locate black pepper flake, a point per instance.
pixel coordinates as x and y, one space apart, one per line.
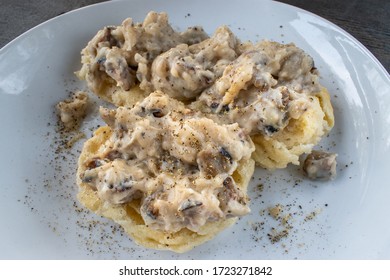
226 154
157 113
227 182
214 105
101 60
269 129
225 108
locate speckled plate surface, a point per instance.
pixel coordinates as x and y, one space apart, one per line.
343 219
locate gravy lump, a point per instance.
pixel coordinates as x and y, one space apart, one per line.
114 54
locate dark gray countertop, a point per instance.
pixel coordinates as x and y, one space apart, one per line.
367 20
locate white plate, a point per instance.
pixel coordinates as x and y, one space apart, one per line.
40 218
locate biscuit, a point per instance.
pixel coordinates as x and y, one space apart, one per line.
298 137
129 214
118 57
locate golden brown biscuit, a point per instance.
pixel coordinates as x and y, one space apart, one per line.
129 214
298 137
116 58
273 92
129 217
